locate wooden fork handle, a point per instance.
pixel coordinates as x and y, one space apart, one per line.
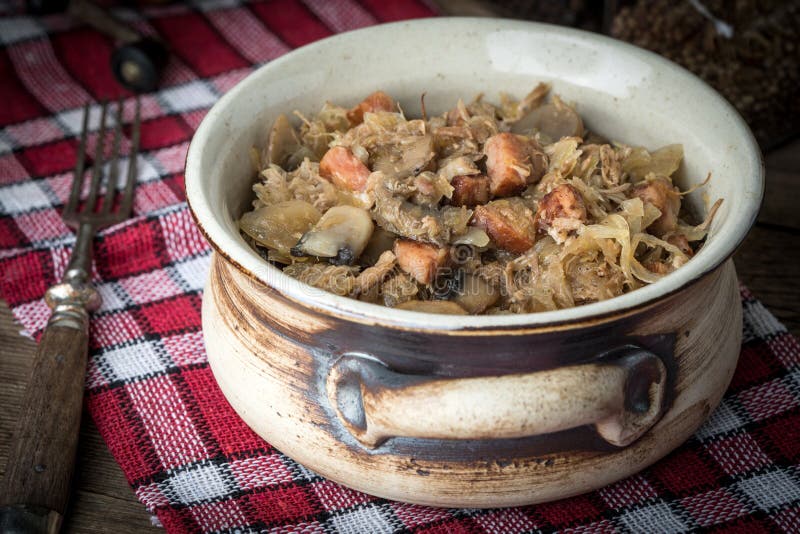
35 490
42 452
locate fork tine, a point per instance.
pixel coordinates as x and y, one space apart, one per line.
127 196
77 179
113 173
97 167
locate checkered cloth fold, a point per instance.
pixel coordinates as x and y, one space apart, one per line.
189 458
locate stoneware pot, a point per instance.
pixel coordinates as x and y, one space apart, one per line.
468 410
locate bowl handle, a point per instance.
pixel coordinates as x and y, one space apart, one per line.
621 394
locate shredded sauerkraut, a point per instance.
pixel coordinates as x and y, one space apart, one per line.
513 208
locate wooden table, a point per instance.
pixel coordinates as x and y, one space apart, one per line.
103 502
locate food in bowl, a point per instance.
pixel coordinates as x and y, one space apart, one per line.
484 209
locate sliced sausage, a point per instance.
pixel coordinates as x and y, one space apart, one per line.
561 212
507 164
470 190
344 169
508 222
377 101
563 202
421 260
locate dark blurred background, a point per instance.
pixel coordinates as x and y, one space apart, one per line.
748 50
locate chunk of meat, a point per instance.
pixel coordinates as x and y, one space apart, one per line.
470 190
344 169
680 241
507 164
377 101
421 260
508 222
561 211
663 195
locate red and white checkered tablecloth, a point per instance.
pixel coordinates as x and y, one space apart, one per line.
191 461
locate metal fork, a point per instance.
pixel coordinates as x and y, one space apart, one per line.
35 489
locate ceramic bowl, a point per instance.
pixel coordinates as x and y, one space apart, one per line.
475 411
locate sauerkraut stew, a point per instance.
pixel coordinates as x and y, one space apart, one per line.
485 209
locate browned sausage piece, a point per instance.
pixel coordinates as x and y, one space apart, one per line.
344 169
508 222
470 190
377 101
421 260
507 164
563 202
663 195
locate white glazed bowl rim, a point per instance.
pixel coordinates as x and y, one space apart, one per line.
715 251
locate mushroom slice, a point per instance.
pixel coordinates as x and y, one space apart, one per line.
476 294
555 120
282 143
380 241
340 236
432 306
279 226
